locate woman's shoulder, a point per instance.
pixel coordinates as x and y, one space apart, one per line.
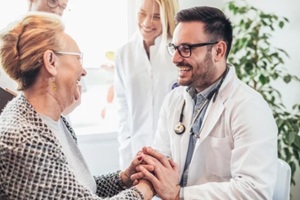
134 43
19 121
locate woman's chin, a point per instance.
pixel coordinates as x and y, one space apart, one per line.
77 95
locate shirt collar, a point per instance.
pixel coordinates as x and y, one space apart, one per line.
192 91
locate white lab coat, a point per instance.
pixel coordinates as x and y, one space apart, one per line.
236 155
140 86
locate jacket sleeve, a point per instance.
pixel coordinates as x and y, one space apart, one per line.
35 168
109 186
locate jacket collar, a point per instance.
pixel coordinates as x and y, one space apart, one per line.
216 108
25 111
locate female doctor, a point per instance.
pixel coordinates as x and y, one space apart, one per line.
144 75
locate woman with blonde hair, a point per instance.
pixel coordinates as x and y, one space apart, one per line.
144 74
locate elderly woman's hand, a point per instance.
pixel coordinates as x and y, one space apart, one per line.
163 175
131 171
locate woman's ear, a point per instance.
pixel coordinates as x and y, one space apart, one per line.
50 62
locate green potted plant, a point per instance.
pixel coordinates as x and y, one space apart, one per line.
259 64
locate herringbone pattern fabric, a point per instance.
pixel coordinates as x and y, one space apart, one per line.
33 165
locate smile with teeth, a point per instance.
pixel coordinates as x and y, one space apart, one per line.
147 30
184 69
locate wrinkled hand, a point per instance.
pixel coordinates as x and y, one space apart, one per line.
163 175
143 185
132 171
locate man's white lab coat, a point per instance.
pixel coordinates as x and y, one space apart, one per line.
236 155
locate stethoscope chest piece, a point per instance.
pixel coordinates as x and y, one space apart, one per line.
179 128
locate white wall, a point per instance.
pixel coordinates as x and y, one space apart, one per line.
100 152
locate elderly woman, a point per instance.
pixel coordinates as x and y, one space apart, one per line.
38 150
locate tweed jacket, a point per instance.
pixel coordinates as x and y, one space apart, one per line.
33 165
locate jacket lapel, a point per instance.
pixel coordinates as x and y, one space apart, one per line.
211 117
215 109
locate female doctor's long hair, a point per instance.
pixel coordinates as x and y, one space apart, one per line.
168 9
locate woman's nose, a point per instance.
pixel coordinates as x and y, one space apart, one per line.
147 20
84 73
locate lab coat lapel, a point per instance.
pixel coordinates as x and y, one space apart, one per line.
212 115
215 109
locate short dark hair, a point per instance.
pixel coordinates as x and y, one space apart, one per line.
217 25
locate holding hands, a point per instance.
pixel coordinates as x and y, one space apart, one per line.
156 169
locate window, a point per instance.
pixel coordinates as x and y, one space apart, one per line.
97 27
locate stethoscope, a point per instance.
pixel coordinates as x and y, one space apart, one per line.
180 127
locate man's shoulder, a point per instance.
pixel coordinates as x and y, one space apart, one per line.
177 91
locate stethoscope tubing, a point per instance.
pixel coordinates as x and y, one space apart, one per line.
180 127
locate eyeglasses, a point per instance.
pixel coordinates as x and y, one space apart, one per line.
80 54
55 3
185 50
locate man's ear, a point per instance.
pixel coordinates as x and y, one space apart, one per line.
50 62
220 50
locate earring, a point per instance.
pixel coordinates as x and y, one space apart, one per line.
53 84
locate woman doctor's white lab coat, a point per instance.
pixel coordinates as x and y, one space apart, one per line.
236 154
141 84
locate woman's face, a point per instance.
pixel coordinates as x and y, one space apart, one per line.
149 21
70 72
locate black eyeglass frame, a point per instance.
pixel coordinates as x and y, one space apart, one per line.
172 46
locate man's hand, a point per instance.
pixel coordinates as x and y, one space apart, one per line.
163 175
131 171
